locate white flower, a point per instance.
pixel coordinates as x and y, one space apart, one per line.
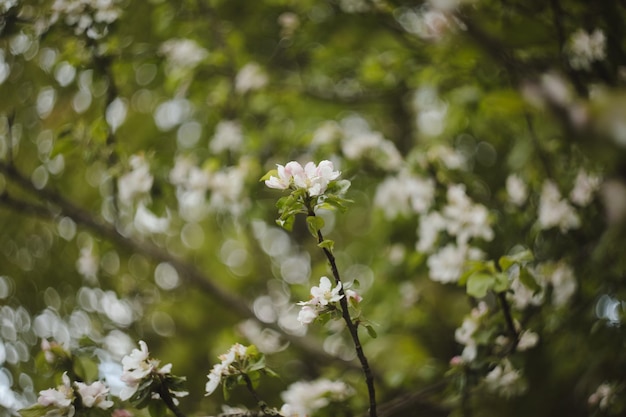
304 398
325 294
564 284
603 396
465 334
236 353
447 265
183 53
307 314
62 397
505 380
429 228
585 48
136 367
94 395
465 219
147 222
228 136
404 194
516 189
88 263
313 178
251 77
556 211
527 340
584 187
136 182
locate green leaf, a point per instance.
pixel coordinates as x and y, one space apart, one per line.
270 173
371 331
86 368
36 410
286 223
326 244
315 224
528 280
505 262
501 282
479 283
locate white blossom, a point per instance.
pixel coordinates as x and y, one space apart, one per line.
136 367
584 48
314 178
563 283
94 395
464 219
183 53
603 396
447 264
584 188
516 189
429 227
404 194
228 137
250 78
303 398
465 334
505 380
90 17
236 353
555 211
147 222
88 263
135 182
526 340
61 397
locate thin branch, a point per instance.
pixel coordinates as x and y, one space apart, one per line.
506 309
265 410
352 328
410 401
164 392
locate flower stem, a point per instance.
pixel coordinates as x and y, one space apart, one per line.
262 405
352 328
167 398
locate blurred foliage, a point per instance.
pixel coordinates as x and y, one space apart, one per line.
488 82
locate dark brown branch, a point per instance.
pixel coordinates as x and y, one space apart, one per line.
352 328
506 310
164 392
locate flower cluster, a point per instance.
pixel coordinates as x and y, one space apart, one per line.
138 368
62 398
584 48
239 360
304 398
505 380
87 16
313 178
462 219
322 298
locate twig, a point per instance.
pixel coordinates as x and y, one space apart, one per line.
352 328
506 309
164 392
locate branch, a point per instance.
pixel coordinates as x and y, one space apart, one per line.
506 309
352 328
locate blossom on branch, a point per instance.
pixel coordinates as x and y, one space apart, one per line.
313 178
322 299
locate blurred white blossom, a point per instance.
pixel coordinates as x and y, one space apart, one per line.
584 188
404 194
465 334
603 396
250 78
94 395
135 182
237 353
447 264
90 17
505 380
228 137
303 398
516 189
584 48
556 211
182 53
